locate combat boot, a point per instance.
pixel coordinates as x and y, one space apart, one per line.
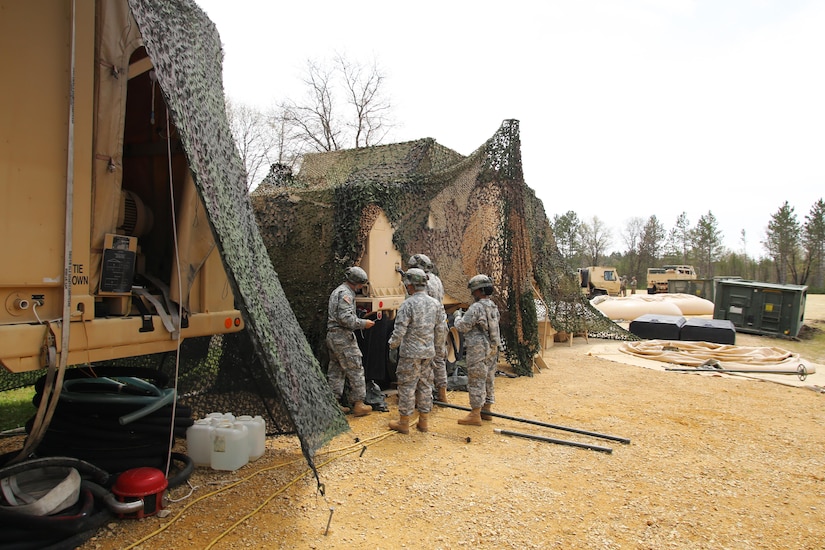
359 409
473 418
402 425
442 394
486 409
422 425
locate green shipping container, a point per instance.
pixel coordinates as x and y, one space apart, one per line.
761 308
703 288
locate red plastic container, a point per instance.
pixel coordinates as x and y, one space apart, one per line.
144 483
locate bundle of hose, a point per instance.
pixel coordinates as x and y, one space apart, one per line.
117 422
81 518
160 379
94 425
40 491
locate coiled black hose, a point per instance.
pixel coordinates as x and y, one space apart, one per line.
112 417
79 522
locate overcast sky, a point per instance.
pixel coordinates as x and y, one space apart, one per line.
627 108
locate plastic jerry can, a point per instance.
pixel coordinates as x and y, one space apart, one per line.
257 435
230 449
199 442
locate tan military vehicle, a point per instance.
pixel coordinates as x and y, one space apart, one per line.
599 281
657 277
105 244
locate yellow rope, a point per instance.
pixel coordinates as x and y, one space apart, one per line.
342 452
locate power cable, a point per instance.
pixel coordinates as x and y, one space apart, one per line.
358 446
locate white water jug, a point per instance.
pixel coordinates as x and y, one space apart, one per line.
257 435
230 449
199 442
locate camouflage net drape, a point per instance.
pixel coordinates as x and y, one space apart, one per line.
269 367
470 215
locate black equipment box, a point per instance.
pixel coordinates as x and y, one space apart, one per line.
717 331
657 327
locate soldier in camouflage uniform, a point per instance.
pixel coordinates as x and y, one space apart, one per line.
481 342
420 326
435 288
344 353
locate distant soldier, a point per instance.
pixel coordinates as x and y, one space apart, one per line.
482 339
435 288
623 286
344 353
420 328
633 285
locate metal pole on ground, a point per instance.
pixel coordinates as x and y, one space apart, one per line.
801 371
607 450
622 440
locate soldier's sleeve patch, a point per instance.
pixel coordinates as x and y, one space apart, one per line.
348 299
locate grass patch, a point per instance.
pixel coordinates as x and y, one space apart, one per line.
16 407
810 345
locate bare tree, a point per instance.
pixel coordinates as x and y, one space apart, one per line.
363 86
322 122
253 138
315 119
287 144
632 236
595 239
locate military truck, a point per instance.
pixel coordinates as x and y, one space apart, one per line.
599 281
657 277
105 244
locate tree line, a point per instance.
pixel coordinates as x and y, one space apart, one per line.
794 248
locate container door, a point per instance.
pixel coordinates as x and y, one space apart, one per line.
772 306
738 306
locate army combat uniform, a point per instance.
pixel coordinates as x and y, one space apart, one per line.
420 328
344 353
435 288
480 326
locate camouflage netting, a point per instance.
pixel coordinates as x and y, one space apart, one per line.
271 362
470 215
269 368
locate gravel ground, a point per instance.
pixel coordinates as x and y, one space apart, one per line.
714 462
